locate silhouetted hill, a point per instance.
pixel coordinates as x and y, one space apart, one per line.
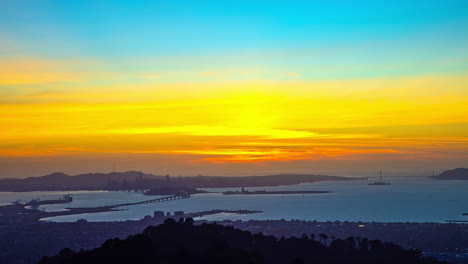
58 181
53 176
131 180
455 174
182 242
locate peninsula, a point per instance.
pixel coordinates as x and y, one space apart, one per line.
243 192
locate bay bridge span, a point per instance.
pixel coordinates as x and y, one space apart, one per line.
107 208
157 200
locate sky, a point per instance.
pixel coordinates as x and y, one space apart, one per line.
233 87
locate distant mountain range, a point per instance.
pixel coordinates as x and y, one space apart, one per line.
58 181
455 174
134 180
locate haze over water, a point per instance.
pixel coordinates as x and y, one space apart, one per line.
406 200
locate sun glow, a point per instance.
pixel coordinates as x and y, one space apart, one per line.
256 122
284 89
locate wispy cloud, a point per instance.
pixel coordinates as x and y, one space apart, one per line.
293 74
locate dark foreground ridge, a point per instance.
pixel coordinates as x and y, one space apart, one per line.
183 242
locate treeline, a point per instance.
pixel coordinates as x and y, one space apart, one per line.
182 242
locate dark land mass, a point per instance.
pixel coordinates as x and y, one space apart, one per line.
173 191
184 242
60 181
455 174
273 192
38 202
30 241
134 180
18 214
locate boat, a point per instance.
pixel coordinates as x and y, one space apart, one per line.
381 182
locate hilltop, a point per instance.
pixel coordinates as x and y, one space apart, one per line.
455 174
134 180
183 242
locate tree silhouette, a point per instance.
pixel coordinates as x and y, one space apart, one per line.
181 241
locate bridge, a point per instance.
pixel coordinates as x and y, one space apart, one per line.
107 208
157 200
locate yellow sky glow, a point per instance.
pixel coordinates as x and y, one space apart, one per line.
254 121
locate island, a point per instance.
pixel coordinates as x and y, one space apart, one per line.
455 174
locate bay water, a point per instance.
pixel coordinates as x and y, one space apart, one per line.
405 200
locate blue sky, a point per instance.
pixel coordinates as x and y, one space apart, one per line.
161 28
